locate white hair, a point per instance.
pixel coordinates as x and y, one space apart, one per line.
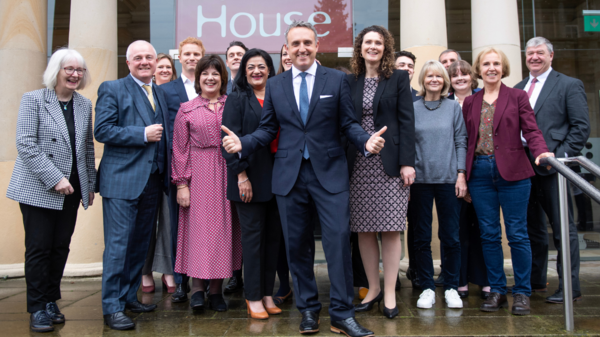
56 63
128 52
538 41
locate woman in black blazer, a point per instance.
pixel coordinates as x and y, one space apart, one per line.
379 184
249 185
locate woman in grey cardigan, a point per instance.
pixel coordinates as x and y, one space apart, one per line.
441 146
54 172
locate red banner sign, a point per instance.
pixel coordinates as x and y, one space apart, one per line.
262 23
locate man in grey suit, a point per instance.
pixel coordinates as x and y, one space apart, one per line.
561 111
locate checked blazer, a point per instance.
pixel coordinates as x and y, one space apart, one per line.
44 150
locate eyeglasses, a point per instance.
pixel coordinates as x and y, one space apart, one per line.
69 71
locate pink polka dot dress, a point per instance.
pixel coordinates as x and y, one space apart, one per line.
209 240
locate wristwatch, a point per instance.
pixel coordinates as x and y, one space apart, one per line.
462 171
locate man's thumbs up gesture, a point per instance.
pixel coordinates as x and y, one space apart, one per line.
375 143
231 142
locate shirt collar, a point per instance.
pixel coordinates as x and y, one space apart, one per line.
140 83
542 77
312 70
185 79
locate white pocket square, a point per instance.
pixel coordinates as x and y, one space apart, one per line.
325 96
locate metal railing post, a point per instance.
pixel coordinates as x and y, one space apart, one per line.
566 253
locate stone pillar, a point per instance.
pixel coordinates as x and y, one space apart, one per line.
423 31
503 34
93 33
23 36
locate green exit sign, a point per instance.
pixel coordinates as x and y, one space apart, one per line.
591 21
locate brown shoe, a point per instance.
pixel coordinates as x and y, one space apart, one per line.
520 305
494 302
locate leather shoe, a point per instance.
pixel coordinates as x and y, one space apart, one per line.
54 313
235 284
494 302
439 282
412 275
558 297
180 294
484 295
119 321
310 322
367 306
463 293
40 321
216 302
390 313
351 328
137 307
197 301
520 305
254 314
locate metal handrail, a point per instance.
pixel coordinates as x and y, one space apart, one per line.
559 164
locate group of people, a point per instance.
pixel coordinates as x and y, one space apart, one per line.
200 172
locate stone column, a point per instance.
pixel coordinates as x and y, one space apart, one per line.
423 31
496 24
23 36
93 33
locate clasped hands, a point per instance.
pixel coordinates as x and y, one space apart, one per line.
232 144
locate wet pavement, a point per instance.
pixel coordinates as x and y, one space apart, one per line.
81 305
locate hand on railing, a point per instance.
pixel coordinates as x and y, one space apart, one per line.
544 155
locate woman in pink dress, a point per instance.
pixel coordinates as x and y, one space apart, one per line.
209 242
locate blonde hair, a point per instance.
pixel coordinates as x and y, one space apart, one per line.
56 63
503 59
433 65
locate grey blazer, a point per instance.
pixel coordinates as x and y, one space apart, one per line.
44 150
561 112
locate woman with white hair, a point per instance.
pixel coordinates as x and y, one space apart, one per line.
54 172
441 140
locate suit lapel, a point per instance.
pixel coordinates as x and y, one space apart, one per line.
162 102
138 100
255 105
378 92
53 108
358 97
288 88
521 85
474 115
501 103
180 88
318 86
551 81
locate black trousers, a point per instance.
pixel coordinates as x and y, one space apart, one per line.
261 232
411 216
472 264
47 238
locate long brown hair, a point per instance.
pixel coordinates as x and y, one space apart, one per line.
387 64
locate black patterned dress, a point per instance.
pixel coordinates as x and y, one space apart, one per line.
378 202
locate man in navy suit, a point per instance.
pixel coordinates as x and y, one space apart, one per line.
191 50
130 114
312 106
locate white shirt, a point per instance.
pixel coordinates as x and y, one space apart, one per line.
189 87
536 92
142 84
310 81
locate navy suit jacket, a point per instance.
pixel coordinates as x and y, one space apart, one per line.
330 114
122 114
175 94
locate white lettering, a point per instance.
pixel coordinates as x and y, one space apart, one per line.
288 17
222 20
252 24
327 21
262 25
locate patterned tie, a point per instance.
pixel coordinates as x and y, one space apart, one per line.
148 89
530 91
304 107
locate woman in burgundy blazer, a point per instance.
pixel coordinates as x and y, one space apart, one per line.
498 173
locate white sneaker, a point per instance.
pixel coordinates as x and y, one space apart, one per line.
426 299
453 299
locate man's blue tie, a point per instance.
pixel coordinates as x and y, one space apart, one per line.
304 107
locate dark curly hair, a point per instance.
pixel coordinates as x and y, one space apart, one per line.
387 65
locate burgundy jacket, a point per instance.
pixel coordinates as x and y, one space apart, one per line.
513 114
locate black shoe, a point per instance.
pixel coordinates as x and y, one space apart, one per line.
310 322
398 284
390 313
367 306
197 301
558 297
180 294
216 302
119 321
484 295
463 294
412 275
235 284
350 328
439 282
138 307
55 315
40 321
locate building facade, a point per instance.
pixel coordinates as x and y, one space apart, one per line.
30 30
